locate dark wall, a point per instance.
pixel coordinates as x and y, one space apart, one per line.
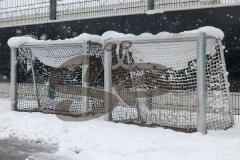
227 19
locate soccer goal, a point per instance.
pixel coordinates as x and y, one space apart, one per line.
174 80
170 80
63 77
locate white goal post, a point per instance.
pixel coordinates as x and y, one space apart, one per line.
210 96
200 38
170 80
56 55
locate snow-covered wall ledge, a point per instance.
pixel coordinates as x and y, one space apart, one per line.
16 42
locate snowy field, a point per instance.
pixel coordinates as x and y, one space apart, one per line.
97 139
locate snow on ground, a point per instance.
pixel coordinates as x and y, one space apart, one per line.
96 139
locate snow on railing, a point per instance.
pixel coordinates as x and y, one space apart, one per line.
24 12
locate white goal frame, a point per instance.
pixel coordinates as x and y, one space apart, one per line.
13 88
199 37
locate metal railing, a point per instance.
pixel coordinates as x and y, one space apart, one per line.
14 12
98 8
22 12
173 5
26 12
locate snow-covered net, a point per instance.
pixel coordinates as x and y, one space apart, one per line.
157 84
60 78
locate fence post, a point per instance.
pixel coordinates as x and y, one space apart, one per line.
108 85
201 85
53 10
13 87
151 4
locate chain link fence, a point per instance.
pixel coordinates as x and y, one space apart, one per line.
26 12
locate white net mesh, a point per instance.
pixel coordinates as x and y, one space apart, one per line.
56 56
58 74
158 85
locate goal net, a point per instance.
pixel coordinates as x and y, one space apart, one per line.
156 81
153 79
62 77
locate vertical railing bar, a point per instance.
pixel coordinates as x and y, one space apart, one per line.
53 10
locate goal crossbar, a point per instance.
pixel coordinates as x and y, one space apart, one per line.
161 38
